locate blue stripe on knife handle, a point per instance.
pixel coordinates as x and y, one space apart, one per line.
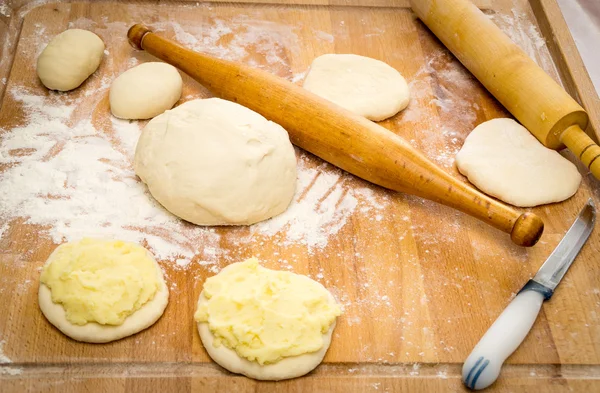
471 371
476 377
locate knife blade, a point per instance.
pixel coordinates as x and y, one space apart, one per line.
483 365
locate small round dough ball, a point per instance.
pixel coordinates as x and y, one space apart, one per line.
365 86
145 91
69 59
504 160
215 162
93 332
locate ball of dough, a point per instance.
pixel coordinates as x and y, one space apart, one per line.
69 59
504 160
145 91
215 162
365 86
93 332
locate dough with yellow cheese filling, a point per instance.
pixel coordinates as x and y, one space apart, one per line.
265 324
102 290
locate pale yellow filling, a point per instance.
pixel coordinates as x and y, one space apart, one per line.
266 315
100 280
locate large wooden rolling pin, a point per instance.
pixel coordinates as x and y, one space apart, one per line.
530 94
338 136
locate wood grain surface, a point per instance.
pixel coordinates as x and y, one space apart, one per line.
420 283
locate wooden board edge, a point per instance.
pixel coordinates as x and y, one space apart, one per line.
483 4
338 377
568 61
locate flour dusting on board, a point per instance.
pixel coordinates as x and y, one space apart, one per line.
4 229
242 39
77 180
5 361
439 85
3 357
318 190
526 35
5 10
76 177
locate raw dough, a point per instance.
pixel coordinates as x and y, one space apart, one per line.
504 160
93 332
365 86
69 59
145 91
266 324
215 162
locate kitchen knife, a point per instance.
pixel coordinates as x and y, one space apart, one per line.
482 367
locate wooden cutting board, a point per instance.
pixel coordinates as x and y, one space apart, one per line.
420 282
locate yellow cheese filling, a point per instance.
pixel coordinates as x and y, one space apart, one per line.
266 315
101 281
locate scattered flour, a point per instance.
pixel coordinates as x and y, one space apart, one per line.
3 229
258 43
320 208
324 36
75 179
5 367
5 10
527 36
3 357
440 85
299 76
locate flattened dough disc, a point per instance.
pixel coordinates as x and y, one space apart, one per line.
504 160
365 86
290 367
93 332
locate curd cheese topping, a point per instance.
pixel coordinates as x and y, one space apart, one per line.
101 281
266 315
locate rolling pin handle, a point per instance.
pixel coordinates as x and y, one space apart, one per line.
527 230
136 34
583 147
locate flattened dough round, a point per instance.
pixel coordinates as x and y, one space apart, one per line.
504 160
93 332
365 86
215 162
145 91
286 368
69 59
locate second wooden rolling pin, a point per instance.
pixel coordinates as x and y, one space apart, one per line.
531 95
338 136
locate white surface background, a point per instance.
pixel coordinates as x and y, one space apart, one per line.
583 18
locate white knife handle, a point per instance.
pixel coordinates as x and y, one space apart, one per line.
482 367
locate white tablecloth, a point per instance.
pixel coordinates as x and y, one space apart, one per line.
583 18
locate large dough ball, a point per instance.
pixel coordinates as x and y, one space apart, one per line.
365 86
145 91
215 162
504 160
69 59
